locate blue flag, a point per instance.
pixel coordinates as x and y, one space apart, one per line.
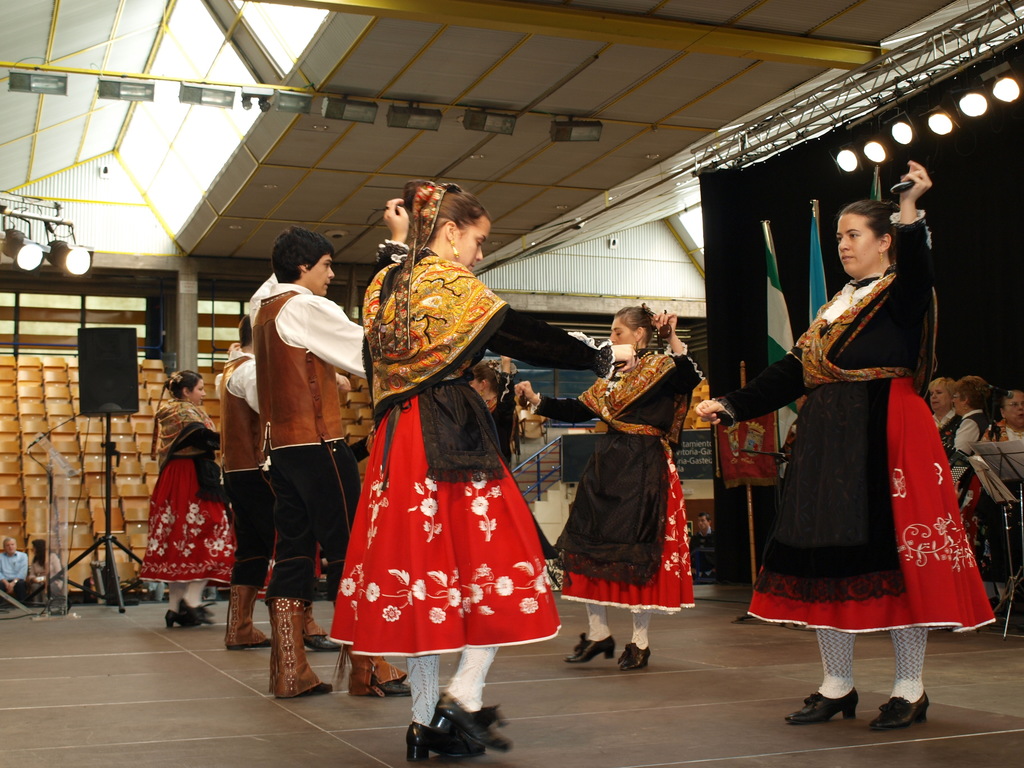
817 266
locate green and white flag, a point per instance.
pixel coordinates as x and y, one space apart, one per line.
780 333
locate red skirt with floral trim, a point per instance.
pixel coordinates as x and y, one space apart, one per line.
942 585
433 566
669 591
189 538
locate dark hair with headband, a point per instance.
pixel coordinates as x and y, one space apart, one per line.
180 381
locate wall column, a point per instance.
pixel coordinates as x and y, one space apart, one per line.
187 316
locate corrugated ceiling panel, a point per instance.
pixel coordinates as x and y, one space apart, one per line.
875 20
24 37
371 66
85 182
103 127
703 11
792 16
141 15
648 262
83 24
14 163
342 30
57 148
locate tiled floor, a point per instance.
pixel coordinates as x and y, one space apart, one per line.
120 689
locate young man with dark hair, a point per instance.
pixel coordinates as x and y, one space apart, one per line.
299 338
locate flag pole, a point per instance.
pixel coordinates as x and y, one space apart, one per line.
750 494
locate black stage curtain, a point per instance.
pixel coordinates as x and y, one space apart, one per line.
973 211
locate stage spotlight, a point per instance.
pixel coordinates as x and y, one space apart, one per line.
73 259
1006 86
847 160
940 122
1006 89
875 151
973 104
902 130
27 254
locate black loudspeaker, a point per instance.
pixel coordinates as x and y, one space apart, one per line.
108 370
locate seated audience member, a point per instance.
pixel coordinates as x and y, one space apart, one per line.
1011 426
969 401
13 569
702 546
940 398
43 568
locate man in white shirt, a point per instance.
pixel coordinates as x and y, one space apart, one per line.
13 570
299 338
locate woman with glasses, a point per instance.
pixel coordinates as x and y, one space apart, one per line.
868 536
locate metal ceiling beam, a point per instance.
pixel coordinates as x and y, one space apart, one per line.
607 27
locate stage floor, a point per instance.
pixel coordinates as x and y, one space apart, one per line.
109 688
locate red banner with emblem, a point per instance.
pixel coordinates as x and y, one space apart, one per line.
737 461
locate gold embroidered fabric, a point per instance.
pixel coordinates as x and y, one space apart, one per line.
448 309
172 418
819 339
610 399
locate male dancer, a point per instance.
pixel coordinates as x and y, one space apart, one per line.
299 337
252 502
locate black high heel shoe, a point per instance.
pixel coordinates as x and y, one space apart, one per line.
897 712
633 658
588 649
819 708
476 726
421 740
195 615
181 616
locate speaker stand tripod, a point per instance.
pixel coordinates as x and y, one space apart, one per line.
108 541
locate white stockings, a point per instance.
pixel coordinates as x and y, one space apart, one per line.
424 682
597 623
641 621
909 646
837 658
467 687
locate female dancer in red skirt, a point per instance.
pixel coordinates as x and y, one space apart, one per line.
869 534
444 555
190 539
624 543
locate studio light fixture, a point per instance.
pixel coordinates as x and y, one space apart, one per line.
126 90
874 151
262 96
48 83
27 254
72 258
1005 85
206 96
488 122
576 130
295 103
414 117
901 129
972 103
847 159
352 110
939 121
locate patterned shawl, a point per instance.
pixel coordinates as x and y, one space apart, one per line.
824 340
610 399
174 419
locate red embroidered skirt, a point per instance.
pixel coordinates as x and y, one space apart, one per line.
669 591
942 585
189 538
433 566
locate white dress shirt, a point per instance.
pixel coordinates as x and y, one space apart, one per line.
968 432
243 382
315 323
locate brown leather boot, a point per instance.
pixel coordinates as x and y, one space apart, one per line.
290 673
314 636
241 633
373 676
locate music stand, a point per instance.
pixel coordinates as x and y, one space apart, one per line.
994 463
